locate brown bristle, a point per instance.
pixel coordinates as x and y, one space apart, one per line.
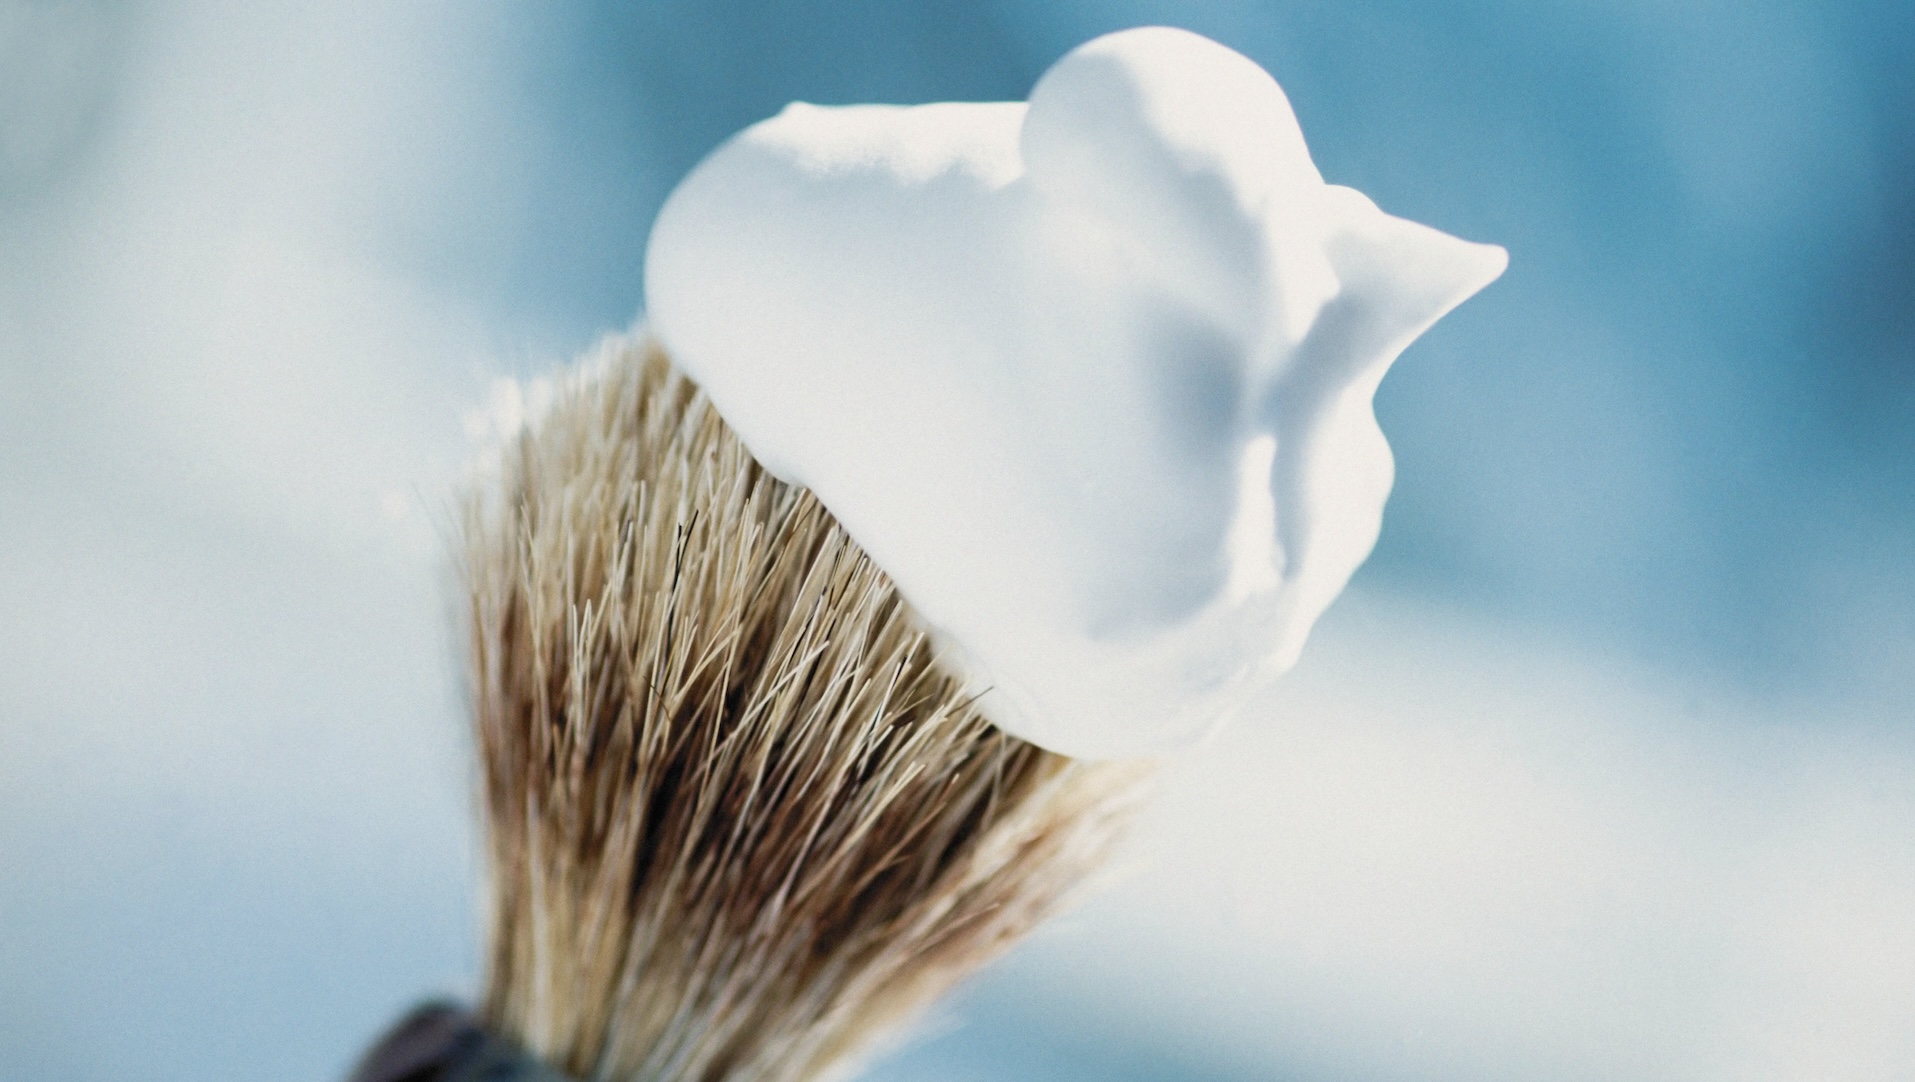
740 822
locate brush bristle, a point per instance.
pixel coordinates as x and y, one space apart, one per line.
741 825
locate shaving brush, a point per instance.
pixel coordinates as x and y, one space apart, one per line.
1092 371
740 823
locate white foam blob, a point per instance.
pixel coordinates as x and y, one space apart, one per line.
1091 377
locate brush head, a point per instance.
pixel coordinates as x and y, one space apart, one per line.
741 823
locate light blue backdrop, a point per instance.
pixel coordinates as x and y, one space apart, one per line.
244 245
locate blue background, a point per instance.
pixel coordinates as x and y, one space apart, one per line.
259 258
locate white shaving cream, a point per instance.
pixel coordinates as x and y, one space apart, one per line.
1090 377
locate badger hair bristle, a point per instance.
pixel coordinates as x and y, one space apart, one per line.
741 825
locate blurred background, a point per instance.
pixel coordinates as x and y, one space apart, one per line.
1604 768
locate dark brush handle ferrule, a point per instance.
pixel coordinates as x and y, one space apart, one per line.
441 1042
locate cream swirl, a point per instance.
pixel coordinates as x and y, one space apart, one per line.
1091 377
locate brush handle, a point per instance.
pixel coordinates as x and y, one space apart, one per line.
442 1042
